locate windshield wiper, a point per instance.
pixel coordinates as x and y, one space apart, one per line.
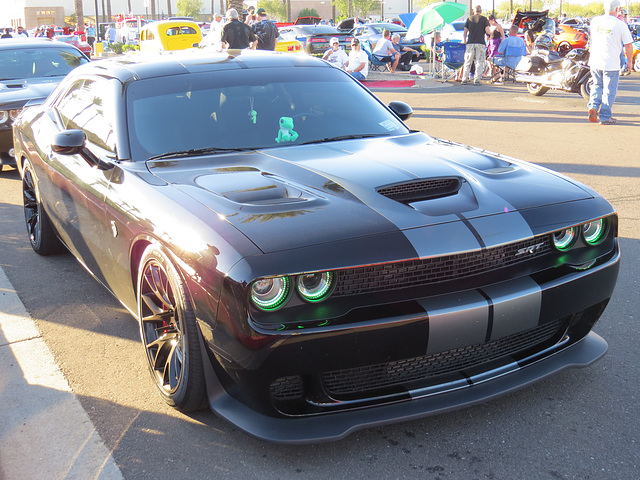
345 137
194 152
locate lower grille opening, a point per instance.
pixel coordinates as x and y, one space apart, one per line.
358 382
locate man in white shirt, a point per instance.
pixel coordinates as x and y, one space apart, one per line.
386 52
608 34
214 37
335 55
358 64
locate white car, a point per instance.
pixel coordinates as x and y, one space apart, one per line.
129 31
453 32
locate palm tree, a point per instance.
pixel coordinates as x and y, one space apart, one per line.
169 8
237 4
79 15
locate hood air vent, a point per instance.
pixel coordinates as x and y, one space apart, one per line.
419 190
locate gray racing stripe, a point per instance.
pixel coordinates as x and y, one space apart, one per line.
516 306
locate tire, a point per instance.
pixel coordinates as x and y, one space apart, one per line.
42 235
585 89
563 48
169 332
636 62
537 89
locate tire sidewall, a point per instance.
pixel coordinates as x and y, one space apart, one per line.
180 398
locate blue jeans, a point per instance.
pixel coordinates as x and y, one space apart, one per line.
603 92
357 75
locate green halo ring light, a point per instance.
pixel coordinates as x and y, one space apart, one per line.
594 232
315 287
564 239
270 293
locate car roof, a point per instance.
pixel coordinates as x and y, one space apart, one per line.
14 43
170 23
127 68
315 28
388 26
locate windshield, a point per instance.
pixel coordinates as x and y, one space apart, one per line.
251 109
392 27
27 63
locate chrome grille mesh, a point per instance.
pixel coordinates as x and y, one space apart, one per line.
411 273
355 381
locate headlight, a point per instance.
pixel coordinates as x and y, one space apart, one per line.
270 293
4 116
564 239
13 114
594 232
315 287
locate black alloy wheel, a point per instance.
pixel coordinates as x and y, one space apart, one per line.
42 235
169 332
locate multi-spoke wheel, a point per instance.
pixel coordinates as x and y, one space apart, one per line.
564 48
636 62
42 235
169 332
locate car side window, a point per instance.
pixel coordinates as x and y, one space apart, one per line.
84 107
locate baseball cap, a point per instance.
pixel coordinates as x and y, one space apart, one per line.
334 40
262 11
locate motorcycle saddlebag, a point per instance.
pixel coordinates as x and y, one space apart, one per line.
531 64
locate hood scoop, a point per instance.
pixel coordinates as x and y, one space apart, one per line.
421 189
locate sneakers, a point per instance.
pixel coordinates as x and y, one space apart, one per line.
464 82
477 82
611 121
593 115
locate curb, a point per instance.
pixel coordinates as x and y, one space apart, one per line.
45 431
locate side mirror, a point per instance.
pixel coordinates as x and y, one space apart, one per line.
401 109
72 142
69 142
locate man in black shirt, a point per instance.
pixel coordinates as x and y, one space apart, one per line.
236 34
475 29
266 31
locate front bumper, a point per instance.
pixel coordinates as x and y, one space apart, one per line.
545 324
338 425
6 146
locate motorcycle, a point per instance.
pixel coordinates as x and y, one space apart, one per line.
636 56
545 70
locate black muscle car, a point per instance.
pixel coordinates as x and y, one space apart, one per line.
29 69
304 263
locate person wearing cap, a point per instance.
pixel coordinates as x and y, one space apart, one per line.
236 34
335 55
265 31
358 64
214 37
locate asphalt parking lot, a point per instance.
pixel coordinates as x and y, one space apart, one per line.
580 424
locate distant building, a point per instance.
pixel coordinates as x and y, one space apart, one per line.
33 13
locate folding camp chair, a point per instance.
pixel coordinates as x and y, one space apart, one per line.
509 61
375 64
451 57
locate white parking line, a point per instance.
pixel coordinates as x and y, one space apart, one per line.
44 431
